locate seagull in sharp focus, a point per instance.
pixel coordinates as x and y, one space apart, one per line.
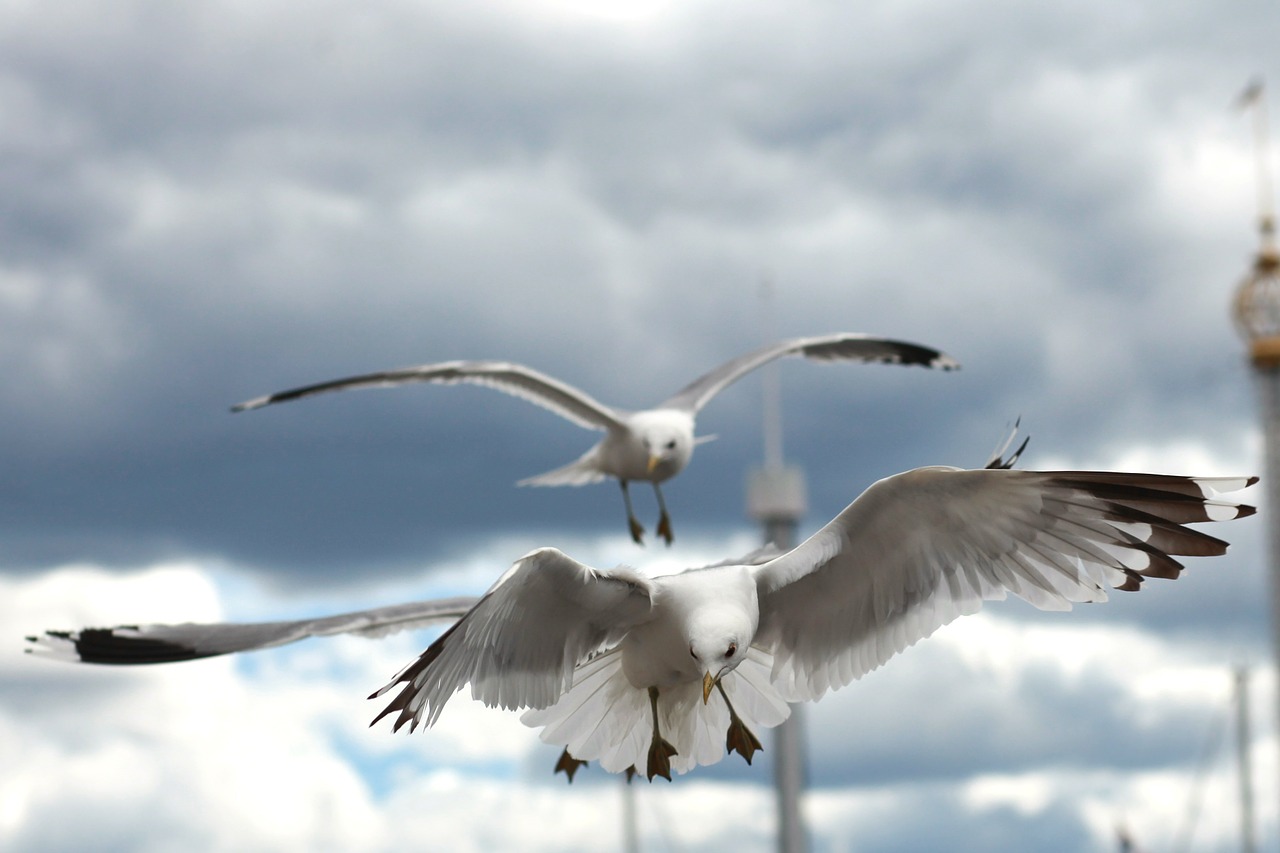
671 672
652 445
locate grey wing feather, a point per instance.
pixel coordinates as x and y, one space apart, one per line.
918 549
837 347
139 644
755 557
519 645
508 377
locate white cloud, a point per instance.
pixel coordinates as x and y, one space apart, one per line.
273 750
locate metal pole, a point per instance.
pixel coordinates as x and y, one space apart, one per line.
1268 384
1262 155
1248 841
773 420
630 834
788 739
1257 314
776 498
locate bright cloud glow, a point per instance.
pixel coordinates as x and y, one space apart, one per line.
275 751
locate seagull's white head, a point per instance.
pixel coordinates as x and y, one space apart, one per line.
667 438
718 641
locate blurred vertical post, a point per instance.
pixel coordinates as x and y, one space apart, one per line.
1257 316
1244 765
630 829
776 499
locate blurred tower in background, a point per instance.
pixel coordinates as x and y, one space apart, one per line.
1257 316
776 499
1244 761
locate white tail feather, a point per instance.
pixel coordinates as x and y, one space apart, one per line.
580 472
603 718
600 718
752 693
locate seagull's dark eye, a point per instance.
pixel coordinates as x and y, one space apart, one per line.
733 647
691 654
671 445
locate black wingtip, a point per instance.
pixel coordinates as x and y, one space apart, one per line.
105 646
1003 463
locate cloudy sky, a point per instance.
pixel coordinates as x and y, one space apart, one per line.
202 203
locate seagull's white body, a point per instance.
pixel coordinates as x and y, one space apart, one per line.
719 602
650 445
696 616
664 673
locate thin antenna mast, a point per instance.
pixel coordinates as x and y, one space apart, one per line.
776 499
1254 99
772 386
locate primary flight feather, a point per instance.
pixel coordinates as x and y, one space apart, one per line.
651 445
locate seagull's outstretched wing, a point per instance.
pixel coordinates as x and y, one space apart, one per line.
918 549
840 347
519 645
515 379
755 557
134 644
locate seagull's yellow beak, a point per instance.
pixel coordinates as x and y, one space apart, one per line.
653 462
707 683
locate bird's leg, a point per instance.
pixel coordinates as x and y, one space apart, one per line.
664 520
660 751
740 738
637 529
567 765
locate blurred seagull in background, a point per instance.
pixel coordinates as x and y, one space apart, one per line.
652 445
620 668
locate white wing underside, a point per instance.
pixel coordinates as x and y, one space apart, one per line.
580 472
538 388
603 718
919 549
519 646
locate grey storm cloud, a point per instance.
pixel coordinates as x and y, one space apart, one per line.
202 208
